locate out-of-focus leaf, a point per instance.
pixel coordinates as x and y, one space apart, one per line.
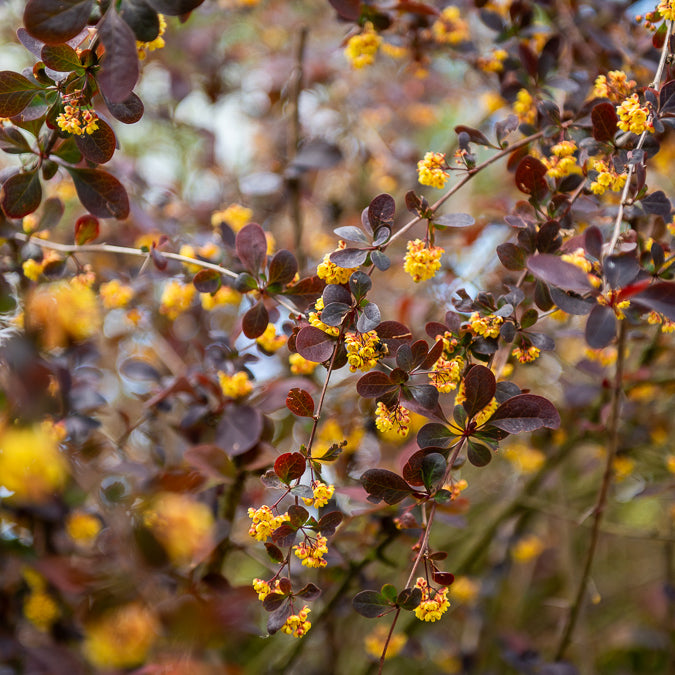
86 229
240 428
128 111
100 193
55 22
21 194
251 246
553 270
119 68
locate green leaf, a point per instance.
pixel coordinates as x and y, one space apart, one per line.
100 193
21 194
16 93
55 22
62 58
389 591
478 454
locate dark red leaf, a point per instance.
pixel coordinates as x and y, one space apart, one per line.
284 535
101 193
128 111
659 297
657 203
309 592
475 135
290 466
255 320
16 93
432 356
375 384
525 412
349 257
61 58
513 257
274 552
478 454
86 229
600 327
329 522
119 67
55 22
300 402
385 485
99 146
314 345
372 604
21 194
435 435
298 514
240 428
283 268
207 281
553 270
620 270
412 470
443 578
604 119
251 246
142 19
667 97
479 387
381 211
530 176
393 334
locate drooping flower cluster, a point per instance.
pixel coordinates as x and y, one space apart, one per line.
158 43
263 588
633 117
364 350
314 319
446 373
297 624
525 107
615 86
176 298
300 365
77 120
361 49
422 262
607 178
270 341
487 326
562 161
434 603
433 170
525 354
115 294
235 386
666 8
264 522
331 273
450 28
392 419
311 551
322 494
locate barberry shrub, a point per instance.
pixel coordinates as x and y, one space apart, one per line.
361 342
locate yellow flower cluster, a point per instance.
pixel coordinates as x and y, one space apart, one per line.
562 162
235 215
493 63
666 9
487 326
322 494
176 298
524 107
115 294
422 262
39 607
605 357
607 178
450 28
433 170
31 464
32 269
314 319
434 603
263 588
375 640
611 299
63 312
83 527
223 296
615 86
264 522
184 526
361 49
300 365
526 355
364 350
78 121
311 552
464 590
446 373
122 637
486 413
297 624
633 117
655 318
235 386
158 43
527 549
455 488
396 419
270 341
331 273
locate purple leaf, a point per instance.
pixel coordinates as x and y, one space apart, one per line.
119 68
525 412
555 271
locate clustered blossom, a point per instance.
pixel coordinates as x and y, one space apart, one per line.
611 299
176 298
332 273
235 216
493 63
666 9
263 588
297 624
524 107
77 120
235 386
667 326
115 294
322 494
364 350
314 319
39 607
422 262
633 117
300 365
526 354
270 341
487 326
392 419
311 552
446 373
615 86
361 49
433 170
450 28
264 522
607 177
158 43
434 603
562 162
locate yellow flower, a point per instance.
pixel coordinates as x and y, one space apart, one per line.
493 63
31 465
32 269
615 86
41 609
189 252
434 604
297 624
63 312
322 494
115 294
235 386
223 296
158 43
176 298
422 262
666 9
270 341
314 319
263 588
527 549
121 638
433 170
446 373
76 120
524 107
396 419
331 273
300 365
611 299
264 522
361 49
486 413
633 117
184 526
375 640
464 590
311 551
450 28
487 326
562 162
235 215
364 350
82 527
526 355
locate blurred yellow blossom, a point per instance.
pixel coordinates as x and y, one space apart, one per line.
524 107
115 294
362 48
623 467
375 640
450 28
223 296
235 215
40 609
270 341
524 458
464 590
527 549
615 86
235 386
300 365
176 298
82 527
